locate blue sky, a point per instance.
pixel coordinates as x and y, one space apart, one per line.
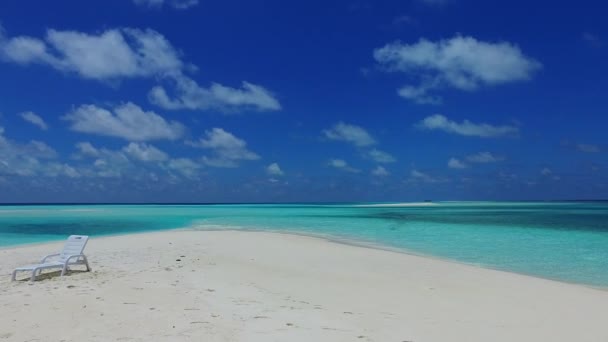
266 101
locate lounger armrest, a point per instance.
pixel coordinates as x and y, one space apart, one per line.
49 256
67 260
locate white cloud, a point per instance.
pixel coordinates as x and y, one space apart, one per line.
121 53
185 166
466 128
418 176
484 157
380 171
87 149
58 169
20 166
100 163
342 165
419 94
403 20
24 159
184 4
588 148
177 4
189 95
38 149
106 163
463 63
455 163
274 169
547 172
127 121
433 2
349 133
145 152
381 156
508 177
34 148
34 119
109 55
228 150
36 159
593 40
149 3
338 163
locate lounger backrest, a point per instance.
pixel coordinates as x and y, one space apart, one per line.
74 246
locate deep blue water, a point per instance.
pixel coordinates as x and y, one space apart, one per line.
565 241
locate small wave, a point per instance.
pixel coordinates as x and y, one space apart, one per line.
82 210
405 204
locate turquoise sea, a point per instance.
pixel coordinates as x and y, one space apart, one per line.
566 241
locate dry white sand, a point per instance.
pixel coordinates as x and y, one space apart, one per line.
247 286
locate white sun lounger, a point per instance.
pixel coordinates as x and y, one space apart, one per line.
70 255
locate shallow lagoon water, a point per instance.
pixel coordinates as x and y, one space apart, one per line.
566 241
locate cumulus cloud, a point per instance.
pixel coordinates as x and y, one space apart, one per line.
274 170
227 149
466 127
187 167
484 157
127 121
353 134
135 161
85 148
380 171
403 20
34 119
59 169
463 63
190 95
380 156
121 53
145 152
420 94
419 176
25 159
588 148
455 163
35 149
109 55
105 163
433 2
108 163
342 165
548 173
149 3
177 4
38 149
593 39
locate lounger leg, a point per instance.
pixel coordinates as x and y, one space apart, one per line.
13 278
33 277
86 263
65 268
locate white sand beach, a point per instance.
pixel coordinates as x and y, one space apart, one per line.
252 286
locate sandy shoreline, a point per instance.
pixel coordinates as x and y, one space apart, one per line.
256 286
